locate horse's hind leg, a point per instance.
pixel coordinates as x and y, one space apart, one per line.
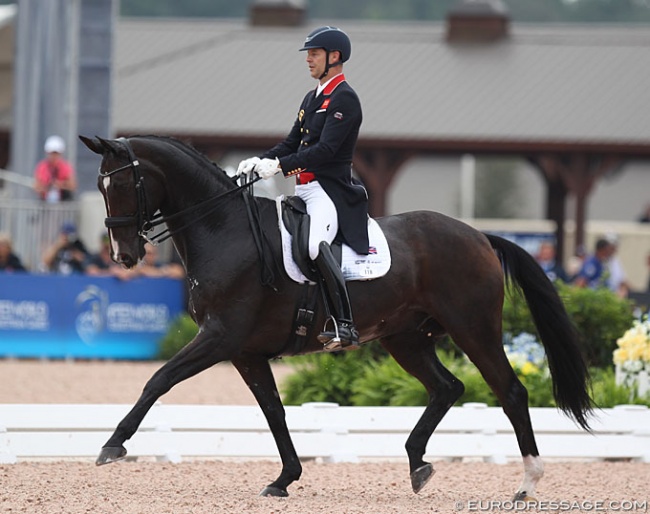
198 355
256 372
488 356
415 352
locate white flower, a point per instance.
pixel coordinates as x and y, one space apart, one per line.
523 349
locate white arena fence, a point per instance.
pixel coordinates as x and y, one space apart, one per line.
319 430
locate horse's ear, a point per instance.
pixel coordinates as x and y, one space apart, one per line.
107 144
93 145
98 145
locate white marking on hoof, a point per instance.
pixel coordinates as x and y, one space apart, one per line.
533 471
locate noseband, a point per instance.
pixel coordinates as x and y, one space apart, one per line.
141 218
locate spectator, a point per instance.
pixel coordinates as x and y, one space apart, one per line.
54 177
594 272
546 259
150 266
67 254
100 264
617 280
9 261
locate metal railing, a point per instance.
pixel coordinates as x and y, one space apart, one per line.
34 225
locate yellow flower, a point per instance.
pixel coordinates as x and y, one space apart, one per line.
529 369
646 353
634 347
620 355
636 352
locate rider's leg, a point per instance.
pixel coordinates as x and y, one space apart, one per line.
344 333
323 220
323 226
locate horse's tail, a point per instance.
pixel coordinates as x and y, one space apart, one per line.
556 330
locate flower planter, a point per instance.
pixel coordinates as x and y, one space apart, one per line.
634 380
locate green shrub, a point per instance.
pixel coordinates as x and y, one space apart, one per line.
182 331
600 316
386 383
606 393
352 380
325 377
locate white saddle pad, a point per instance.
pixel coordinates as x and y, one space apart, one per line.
354 266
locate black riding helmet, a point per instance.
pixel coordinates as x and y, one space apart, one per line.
329 39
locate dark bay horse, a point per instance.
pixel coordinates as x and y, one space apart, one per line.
445 278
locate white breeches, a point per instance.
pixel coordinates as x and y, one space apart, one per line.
323 220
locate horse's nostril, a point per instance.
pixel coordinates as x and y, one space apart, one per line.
125 260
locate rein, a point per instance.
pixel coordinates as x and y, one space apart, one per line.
143 220
159 219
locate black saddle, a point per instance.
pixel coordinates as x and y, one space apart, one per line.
296 221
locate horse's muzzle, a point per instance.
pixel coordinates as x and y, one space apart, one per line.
126 260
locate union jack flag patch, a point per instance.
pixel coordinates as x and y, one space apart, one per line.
338 115
372 250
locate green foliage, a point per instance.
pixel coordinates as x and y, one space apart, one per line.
384 382
606 393
516 315
325 377
182 331
600 316
353 379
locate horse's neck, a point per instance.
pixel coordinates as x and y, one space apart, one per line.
226 230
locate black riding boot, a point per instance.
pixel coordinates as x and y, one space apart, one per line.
343 332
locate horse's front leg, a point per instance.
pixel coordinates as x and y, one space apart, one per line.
256 372
196 356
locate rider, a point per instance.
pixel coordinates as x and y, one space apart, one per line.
318 154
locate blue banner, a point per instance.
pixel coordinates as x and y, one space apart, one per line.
82 317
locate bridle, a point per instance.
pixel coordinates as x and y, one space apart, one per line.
142 219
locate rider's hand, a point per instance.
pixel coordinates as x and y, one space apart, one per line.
266 168
247 165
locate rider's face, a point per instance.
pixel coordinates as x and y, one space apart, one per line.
316 62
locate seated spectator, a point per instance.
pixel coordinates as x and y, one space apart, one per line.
67 254
100 264
594 272
9 261
546 259
150 266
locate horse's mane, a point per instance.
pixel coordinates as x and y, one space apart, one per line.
189 150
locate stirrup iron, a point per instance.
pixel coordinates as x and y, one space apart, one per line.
334 343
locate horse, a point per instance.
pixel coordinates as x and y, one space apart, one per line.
446 278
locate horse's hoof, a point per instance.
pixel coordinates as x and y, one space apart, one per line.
274 491
522 496
421 476
110 454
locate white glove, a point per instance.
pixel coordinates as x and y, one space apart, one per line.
246 166
266 168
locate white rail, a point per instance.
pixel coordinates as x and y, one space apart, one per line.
333 433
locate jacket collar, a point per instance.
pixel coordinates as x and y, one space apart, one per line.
331 85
